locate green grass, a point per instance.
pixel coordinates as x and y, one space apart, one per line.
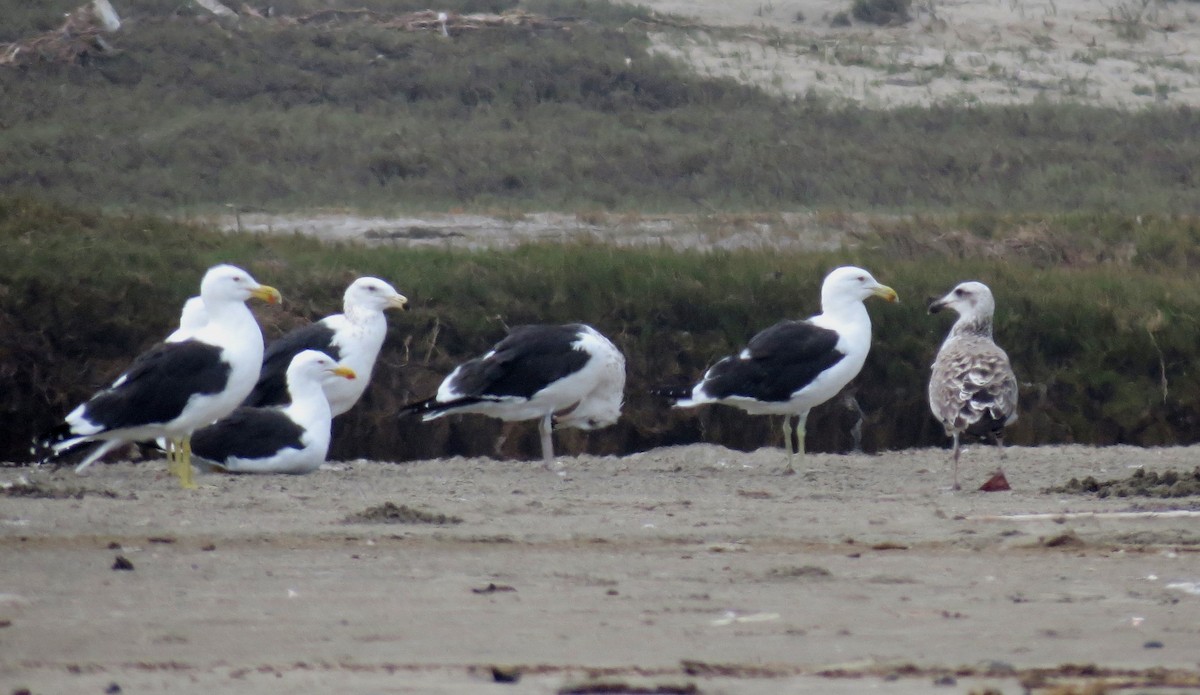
195 114
1092 339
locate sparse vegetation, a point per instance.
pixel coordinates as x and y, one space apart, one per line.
882 12
1130 18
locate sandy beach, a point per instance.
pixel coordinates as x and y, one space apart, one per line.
691 569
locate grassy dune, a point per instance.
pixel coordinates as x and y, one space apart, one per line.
194 113
1104 346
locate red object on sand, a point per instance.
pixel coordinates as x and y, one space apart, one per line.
996 483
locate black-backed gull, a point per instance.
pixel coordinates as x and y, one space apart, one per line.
174 388
278 439
564 376
352 338
794 366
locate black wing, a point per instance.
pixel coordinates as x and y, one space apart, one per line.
156 387
528 360
271 388
251 433
782 360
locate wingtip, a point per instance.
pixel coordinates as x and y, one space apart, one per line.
417 408
43 448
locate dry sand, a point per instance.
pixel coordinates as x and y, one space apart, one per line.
1122 53
692 567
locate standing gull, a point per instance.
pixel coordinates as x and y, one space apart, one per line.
174 388
278 439
191 318
972 389
570 375
352 338
794 366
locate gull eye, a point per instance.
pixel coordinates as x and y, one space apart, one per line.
959 292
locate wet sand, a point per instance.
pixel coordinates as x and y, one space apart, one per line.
686 569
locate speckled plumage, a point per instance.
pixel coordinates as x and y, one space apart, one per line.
972 388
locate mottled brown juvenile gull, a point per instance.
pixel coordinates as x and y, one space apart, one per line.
972 389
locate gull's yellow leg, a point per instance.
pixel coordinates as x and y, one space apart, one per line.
185 464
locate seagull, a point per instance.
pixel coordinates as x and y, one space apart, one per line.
794 366
174 388
564 376
352 338
972 388
278 439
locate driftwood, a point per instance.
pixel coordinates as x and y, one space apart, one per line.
216 8
80 36
445 23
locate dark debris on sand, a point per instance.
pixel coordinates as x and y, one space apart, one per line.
42 491
1141 483
628 688
389 513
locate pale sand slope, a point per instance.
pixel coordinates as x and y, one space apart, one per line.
957 52
1124 53
632 564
